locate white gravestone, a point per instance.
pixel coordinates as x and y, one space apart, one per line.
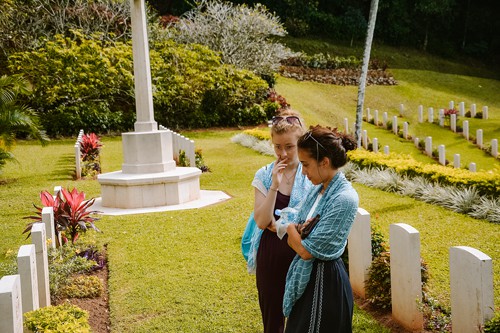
461 109
48 220
442 155
360 251
405 130
451 105
395 124
364 137
479 138
416 141
494 148
368 116
431 115
375 145
472 167
406 278
441 117
26 266
384 119
346 125
375 117
386 150
78 165
456 161
473 110
485 112
11 309
471 284
42 263
401 109
465 133
453 122
420 113
428 145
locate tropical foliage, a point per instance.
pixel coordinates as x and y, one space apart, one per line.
15 118
71 213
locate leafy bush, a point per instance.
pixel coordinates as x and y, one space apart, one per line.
58 319
64 262
80 83
486 183
71 214
493 326
30 21
240 33
193 89
83 286
90 147
378 285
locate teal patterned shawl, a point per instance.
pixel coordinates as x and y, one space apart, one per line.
337 209
262 181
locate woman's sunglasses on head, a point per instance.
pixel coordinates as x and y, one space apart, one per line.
292 120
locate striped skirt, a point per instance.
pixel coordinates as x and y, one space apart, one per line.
327 303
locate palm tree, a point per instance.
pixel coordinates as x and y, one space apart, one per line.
16 118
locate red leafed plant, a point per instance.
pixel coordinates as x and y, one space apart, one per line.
89 147
71 213
449 112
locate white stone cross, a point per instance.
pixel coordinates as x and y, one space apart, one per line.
142 72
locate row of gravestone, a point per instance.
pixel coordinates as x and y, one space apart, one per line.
471 277
78 157
428 146
29 289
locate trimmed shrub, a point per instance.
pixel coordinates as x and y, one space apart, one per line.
58 319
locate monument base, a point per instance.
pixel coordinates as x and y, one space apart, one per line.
124 190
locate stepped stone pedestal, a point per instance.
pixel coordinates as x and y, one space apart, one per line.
149 177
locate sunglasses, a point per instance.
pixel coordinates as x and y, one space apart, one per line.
309 135
292 120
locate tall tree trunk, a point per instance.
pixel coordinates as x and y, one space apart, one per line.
364 69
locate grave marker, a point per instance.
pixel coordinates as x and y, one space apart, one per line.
451 105
479 138
406 278
453 122
42 264
428 145
26 266
472 167
368 116
364 137
420 113
465 133
471 282
360 251
456 161
441 117
461 109
11 309
442 155
473 110
48 220
485 112
416 141
431 115
375 117
395 125
346 126
384 119
386 150
405 130
401 109
375 145
494 148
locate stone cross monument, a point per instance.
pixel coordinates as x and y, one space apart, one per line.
149 176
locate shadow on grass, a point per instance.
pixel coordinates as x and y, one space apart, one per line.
64 168
396 208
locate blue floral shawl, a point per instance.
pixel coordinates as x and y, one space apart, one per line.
262 181
337 209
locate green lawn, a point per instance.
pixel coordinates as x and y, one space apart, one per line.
182 271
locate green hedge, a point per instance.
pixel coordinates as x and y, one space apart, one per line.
487 183
58 319
82 83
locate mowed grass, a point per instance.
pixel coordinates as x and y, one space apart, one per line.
183 271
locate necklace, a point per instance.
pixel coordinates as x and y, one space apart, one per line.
289 180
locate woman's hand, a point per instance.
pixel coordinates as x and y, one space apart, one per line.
278 169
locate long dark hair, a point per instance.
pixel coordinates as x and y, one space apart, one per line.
323 142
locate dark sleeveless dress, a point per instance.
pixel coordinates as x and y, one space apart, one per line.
273 259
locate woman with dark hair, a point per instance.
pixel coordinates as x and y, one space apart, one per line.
318 295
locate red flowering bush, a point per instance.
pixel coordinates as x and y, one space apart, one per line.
71 213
